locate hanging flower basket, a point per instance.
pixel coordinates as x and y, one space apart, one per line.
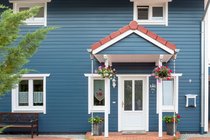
162 72
106 72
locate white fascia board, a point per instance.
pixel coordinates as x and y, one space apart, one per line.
29 1
155 42
111 42
120 37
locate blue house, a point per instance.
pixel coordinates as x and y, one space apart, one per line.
131 36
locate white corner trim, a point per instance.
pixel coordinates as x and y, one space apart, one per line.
120 37
155 42
111 42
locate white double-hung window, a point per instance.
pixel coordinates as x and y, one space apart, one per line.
30 94
40 18
150 12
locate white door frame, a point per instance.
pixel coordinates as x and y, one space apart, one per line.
121 77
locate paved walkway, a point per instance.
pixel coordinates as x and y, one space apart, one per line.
195 137
42 137
120 136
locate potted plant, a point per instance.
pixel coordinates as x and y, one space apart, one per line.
169 121
97 125
162 72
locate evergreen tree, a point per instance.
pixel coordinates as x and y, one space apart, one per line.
14 57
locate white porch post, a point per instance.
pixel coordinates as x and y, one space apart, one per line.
159 93
107 102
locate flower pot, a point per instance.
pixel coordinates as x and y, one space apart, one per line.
170 128
97 129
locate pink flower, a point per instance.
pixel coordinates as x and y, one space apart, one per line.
156 77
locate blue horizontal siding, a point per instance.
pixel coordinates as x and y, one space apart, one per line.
63 54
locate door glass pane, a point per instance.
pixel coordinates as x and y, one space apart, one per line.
143 12
128 95
99 91
138 95
23 93
38 92
168 90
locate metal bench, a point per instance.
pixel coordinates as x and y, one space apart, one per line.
20 120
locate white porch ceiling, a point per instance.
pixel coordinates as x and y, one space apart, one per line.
132 58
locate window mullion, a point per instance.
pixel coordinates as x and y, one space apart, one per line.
133 95
150 13
31 93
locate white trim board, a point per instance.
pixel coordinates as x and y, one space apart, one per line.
129 32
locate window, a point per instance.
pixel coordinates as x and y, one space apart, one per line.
168 93
30 94
170 89
99 93
151 14
40 18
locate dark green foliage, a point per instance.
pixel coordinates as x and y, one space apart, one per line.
13 58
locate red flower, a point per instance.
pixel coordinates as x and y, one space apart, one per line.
173 120
178 116
170 71
168 78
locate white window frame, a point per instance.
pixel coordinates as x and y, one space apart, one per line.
175 106
94 107
30 108
29 3
150 21
91 107
171 107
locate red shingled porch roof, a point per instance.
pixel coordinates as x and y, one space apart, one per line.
133 25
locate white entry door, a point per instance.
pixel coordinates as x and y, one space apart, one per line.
134 104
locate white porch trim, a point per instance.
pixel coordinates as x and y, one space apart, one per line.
155 42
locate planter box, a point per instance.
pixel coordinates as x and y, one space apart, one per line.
97 129
170 128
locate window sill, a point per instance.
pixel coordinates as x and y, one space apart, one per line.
151 23
28 111
98 109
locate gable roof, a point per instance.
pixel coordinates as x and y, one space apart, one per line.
125 31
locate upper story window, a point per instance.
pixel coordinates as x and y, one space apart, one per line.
30 94
40 18
150 13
